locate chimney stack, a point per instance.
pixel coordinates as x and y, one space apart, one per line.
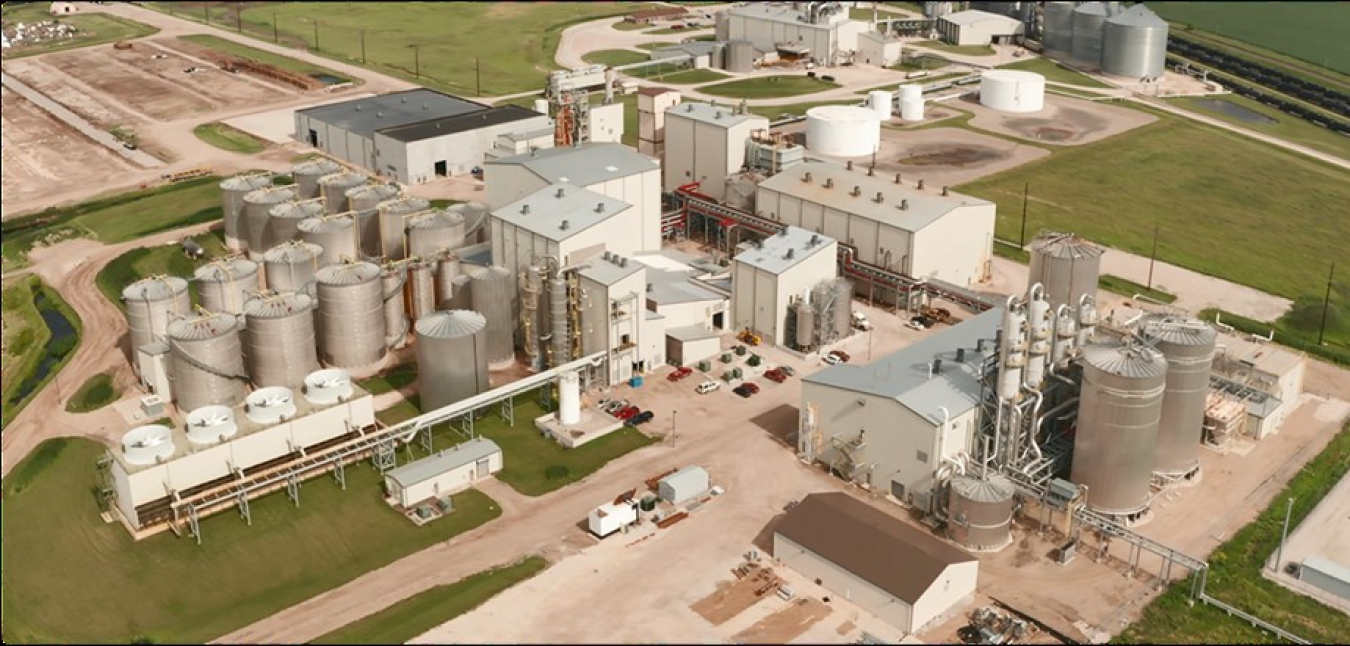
897 178
880 198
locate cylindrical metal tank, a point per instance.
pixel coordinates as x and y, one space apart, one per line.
569 399
806 324
394 218
717 56
257 213
911 91
224 285
741 55
452 357
493 295
1119 408
843 307
232 192
421 289
151 303
721 26
351 320
911 109
270 406
334 189
291 265
1057 31
327 387
284 221
335 236
307 173
842 130
475 220
206 361
447 269
369 196
1012 90
1038 351
280 339
434 232
392 281
1012 352
461 294
980 512
1066 335
150 444
1067 266
1188 345
557 319
210 425
880 101
1089 31
1135 44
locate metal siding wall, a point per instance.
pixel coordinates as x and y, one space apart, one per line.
254 449
836 226
678 168
149 484
743 295
955 584
865 234
897 242
361 411
319 427
126 500
203 466
841 582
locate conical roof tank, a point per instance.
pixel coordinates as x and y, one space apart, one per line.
280 339
370 196
307 173
151 303
284 220
1089 32
350 321
334 189
258 214
291 265
206 361
435 232
232 192
493 295
1135 44
393 279
224 285
394 218
1188 344
452 363
334 235
1067 266
980 512
1119 408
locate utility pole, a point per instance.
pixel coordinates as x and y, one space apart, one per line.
1153 257
1279 552
672 426
316 35
239 17
1326 303
276 37
206 13
363 47
417 63
1026 190
477 78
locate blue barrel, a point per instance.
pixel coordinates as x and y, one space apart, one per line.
635 382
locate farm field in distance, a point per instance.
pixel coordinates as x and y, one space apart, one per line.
93 28
1313 32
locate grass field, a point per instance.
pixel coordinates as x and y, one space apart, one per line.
93 28
395 379
94 394
425 610
666 31
281 62
170 589
229 138
624 25
1128 288
921 62
964 50
1286 126
768 87
693 77
1313 32
614 57
774 112
1055 72
42 334
1235 576
1244 211
149 261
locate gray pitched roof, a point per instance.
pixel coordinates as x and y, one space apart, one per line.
583 165
447 460
365 116
452 124
547 212
785 250
923 208
903 375
1138 16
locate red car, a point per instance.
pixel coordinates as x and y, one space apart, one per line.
775 376
753 388
628 412
680 373
843 356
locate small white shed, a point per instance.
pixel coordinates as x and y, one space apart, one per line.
686 484
445 473
609 518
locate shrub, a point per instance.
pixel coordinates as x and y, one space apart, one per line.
557 472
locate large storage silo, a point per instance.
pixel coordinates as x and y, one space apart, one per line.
461 294
334 189
392 281
370 196
448 268
351 320
1188 345
421 289
307 173
842 130
151 303
291 265
493 295
284 221
1119 408
475 220
1012 90
1067 265
1135 44
280 339
206 361
452 357
1057 31
394 218
232 192
1089 32
741 55
257 212
225 285
980 511
434 232
843 307
334 235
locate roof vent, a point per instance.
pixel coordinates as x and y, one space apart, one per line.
857 190
897 178
718 115
944 191
850 164
937 366
403 99
904 205
790 254
608 255
921 185
599 207
871 171
879 198
358 107
815 240
565 225
560 192
829 182
623 262
689 107
379 115
960 355
806 177
525 209
426 107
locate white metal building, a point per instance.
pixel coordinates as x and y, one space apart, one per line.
921 233
561 220
705 144
819 32
652 104
448 472
686 346
684 301
1266 369
683 485
606 123
616 320
892 423
767 276
881 50
609 518
974 27
613 170
900 574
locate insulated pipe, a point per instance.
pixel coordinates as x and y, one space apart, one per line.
1019 415
1040 421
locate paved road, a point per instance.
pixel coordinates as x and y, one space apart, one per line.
80 124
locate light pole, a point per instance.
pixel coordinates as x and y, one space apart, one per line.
1279 552
417 62
276 37
1326 303
1153 258
1022 241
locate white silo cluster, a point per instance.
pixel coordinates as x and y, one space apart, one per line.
882 102
1012 91
1125 42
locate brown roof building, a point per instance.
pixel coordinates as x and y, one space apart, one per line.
662 13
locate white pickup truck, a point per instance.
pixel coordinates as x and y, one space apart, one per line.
860 321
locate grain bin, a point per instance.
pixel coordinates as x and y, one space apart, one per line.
206 361
232 192
1066 265
1012 91
146 445
307 174
1188 345
1089 31
741 55
394 218
1135 45
369 197
257 212
335 235
494 295
421 289
291 265
1119 408
475 218
151 303
284 221
448 268
843 307
270 406
350 321
280 339
327 387
452 362
392 280
1057 30
842 130
224 285
334 189
434 232
461 294
210 425
980 511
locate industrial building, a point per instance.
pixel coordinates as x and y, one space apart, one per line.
1129 43
448 472
683 485
768 276
819 31
416 135
924 232
652 104
879 49
706 144
973 27
1267 379
615 320
562 221
901 575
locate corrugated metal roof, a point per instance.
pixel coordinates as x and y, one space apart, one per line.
903 375
451 124
447 460
450 324
226 269
436 219
293 251
786 249
1092 8
973 16
995 488
689 333
202 327
583 165
707 113
1066 246
347 274
154 289
612 270
691 476
548 212
296 210
1125 359
279 306
675 287
1138 16
348 179
1178 330
364 116
923 208
320 225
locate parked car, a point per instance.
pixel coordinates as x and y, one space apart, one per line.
616 406
775 376
753 388
628 412
916 324
843 356
787 370
742 391
603 403
707 387
642 418
831 360
680 373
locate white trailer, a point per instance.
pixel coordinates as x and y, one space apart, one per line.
609 518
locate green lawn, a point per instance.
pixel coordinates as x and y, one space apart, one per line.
94 394
768 87
1235 576
1286 126
624 25
964 50
1308 31
1053 71
229 138
1243 211
425 610
93 28
1128 288
615 57
890 87
919 63
692 77
170 589
775 112
395 379
281 62
672 30
31 347
149 261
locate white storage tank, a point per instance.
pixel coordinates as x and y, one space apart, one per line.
452 360
569 399
145 445
541 106
1012 90
880 101
225 285
270 406
291 265
210 425
280 339
335 235
911 109
327 387
842 131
